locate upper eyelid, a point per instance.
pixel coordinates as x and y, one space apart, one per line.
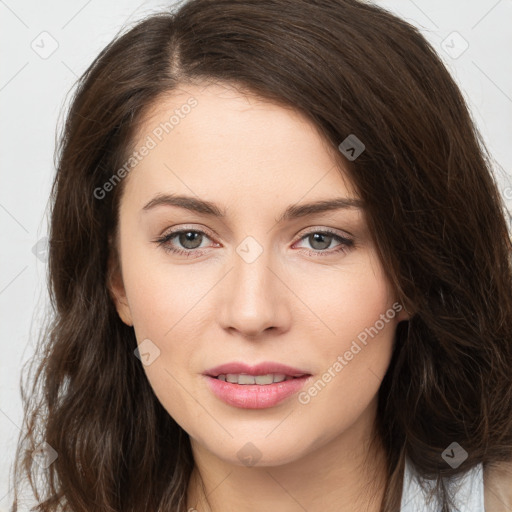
191 227
173 231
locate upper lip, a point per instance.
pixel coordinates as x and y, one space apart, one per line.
259 369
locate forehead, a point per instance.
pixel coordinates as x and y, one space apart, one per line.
212 139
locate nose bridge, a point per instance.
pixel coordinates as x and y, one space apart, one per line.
254 300
251 267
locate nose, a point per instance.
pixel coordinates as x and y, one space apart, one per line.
255 299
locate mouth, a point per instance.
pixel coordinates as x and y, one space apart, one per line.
261 380
255 387
242 373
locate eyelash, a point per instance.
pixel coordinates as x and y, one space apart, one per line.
345 243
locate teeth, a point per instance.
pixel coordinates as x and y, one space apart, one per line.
243 378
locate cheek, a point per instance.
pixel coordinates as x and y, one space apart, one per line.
345 303
160 294
161 299
358 324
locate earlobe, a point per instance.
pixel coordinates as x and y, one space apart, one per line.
117 291
403 314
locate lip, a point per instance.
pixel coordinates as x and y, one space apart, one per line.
254 396
259 369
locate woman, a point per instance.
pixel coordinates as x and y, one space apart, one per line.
281 274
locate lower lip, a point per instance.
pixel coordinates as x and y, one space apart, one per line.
254 396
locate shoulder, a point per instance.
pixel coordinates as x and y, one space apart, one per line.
498 487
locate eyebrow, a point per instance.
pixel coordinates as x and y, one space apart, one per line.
294 211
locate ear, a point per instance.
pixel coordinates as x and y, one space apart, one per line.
116 288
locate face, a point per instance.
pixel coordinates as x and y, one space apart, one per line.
244 279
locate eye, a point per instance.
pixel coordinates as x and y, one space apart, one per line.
322 239
191 241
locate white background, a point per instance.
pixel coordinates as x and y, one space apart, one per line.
33 93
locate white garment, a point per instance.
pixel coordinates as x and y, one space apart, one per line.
468 491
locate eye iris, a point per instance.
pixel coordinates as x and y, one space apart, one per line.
190 236
314 239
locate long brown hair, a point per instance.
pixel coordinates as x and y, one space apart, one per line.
434 212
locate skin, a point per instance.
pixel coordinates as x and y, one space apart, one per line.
254 159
